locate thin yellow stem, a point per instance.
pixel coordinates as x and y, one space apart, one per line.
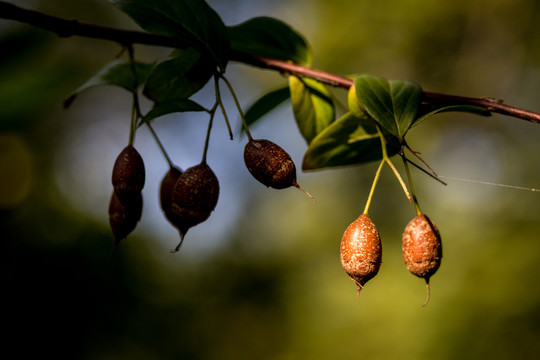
386 159
411 185
373 185
398 176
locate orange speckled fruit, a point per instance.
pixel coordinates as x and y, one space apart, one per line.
422 248
421 245
361 251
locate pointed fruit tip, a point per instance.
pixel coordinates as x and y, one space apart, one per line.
428 294
177 248
358 289
295 184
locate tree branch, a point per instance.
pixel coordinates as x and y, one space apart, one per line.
68 28
490 104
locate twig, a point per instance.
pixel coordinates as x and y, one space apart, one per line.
68 28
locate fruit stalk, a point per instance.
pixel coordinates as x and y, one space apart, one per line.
220 103
373 185
160 145
385 159
411 185
207 139
244 123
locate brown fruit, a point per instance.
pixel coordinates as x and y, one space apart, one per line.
128 174
166 194
124 218
361 251
422 248
166 190
270 164
195 196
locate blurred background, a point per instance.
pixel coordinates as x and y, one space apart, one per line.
262 277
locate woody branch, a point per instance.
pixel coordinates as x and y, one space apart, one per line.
68 28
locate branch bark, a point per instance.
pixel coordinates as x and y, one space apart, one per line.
68 28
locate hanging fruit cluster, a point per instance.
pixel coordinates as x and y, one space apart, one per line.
361 247
361 250
187 198
380 112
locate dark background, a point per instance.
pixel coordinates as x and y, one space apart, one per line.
262 278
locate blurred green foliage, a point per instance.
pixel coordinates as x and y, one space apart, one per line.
266 283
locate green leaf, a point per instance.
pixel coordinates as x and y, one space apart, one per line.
269 37
312 105
348 141
393 104
431 110
169 107
178 78
117 73
265 104
192 22
355 107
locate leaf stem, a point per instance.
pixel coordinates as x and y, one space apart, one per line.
244 123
